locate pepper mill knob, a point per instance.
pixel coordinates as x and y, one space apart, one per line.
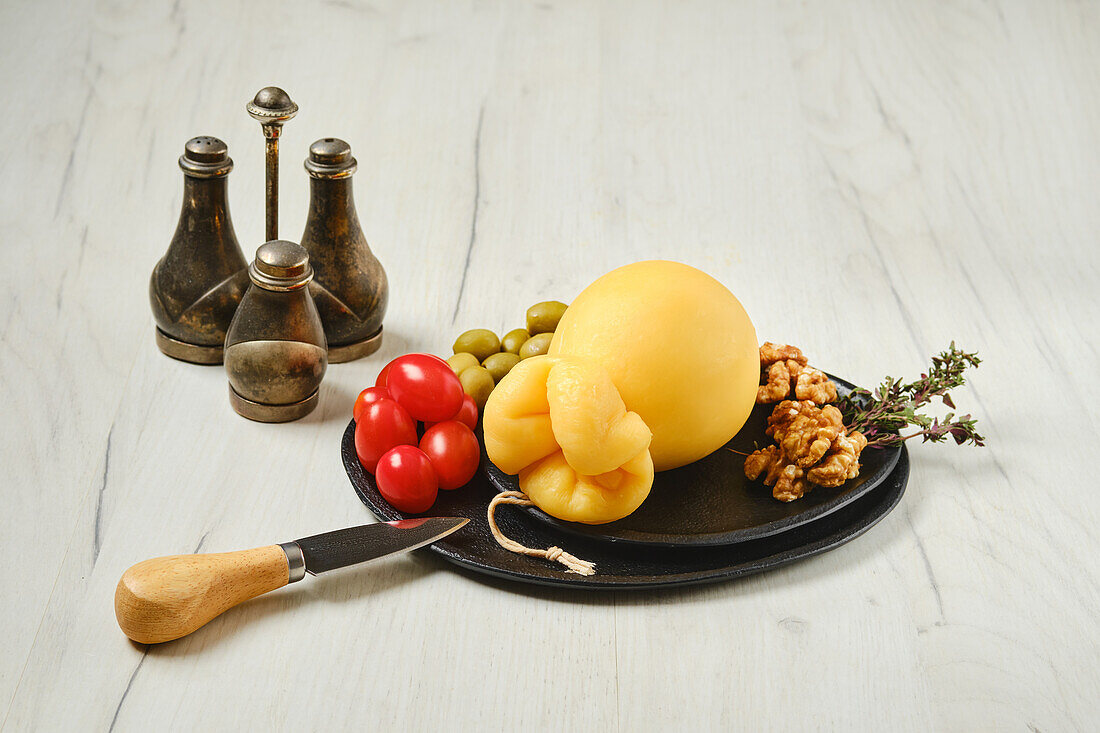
271 107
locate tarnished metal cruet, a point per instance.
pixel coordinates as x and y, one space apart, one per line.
196 286
275 351
277 324
349 286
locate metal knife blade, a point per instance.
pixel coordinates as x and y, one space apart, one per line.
331 550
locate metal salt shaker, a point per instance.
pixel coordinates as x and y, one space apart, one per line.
275 351
350 286
196 286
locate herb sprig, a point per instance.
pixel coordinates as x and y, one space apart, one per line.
894 405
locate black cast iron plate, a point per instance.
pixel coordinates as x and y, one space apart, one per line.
710 502
618 564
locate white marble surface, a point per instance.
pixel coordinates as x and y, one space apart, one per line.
872 179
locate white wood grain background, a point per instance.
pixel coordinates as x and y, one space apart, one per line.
872 180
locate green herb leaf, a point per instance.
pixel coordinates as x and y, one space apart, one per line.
894 405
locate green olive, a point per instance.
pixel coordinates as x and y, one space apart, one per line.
514 339
462 361
500 364
481 342
478 383
544 317
535 345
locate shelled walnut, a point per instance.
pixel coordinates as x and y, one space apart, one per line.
841 462
812 384
784 369
786 479
812 448
804 431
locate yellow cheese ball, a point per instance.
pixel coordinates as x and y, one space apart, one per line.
679 347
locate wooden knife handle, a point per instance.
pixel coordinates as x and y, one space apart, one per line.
169 597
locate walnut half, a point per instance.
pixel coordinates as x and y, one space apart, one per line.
813 385
786 479
841 462
813 448
784 370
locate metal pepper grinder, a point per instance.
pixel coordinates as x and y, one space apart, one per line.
196 286
271 107
275 351
350 286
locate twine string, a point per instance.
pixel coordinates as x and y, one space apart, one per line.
553 554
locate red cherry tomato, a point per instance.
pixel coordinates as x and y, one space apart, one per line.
425 386
467 414
453 451
381 426
380 381
367 396
407 480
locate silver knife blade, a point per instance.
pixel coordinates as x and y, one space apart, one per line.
343 547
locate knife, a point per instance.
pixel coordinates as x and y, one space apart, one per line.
169 597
